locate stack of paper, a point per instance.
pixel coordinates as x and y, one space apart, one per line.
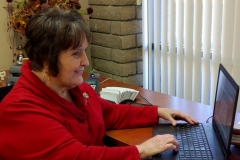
118 94
236 134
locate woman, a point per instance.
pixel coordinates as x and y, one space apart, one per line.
51 113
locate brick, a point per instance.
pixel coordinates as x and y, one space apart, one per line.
128 41
101 52
115 68
124 56
139 67
113 41
126 27
117 78
105 75
99 2
139 40
127 69
139 12
113 2
102 26
136 80
140 55
106 40
117 39
113 13
123 2
116 27
127 13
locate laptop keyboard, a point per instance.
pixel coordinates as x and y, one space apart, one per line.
193 143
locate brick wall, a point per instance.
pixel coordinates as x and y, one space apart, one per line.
116 47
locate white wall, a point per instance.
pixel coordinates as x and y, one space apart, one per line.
6 54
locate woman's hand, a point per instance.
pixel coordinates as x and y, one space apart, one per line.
173 115
157 145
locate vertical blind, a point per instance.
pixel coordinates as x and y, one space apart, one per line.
184 41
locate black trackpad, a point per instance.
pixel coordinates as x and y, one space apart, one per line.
166 155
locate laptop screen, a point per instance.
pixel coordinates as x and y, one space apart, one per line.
225 106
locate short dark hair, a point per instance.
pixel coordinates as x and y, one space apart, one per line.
51 31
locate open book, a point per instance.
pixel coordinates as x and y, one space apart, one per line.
118 94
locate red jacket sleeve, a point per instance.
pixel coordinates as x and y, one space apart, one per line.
128 116
38 135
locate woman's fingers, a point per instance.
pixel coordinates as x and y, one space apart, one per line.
173 115
157 144
168 141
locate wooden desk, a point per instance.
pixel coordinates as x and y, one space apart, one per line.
136 136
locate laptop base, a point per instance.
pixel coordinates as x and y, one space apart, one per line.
171 155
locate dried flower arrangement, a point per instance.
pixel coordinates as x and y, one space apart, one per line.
23 10
20 11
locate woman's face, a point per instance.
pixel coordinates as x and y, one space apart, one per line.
71 65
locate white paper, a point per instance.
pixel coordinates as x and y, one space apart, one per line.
237 126
118 94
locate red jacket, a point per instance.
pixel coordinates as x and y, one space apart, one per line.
36 123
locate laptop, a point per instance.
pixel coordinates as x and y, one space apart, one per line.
218 133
